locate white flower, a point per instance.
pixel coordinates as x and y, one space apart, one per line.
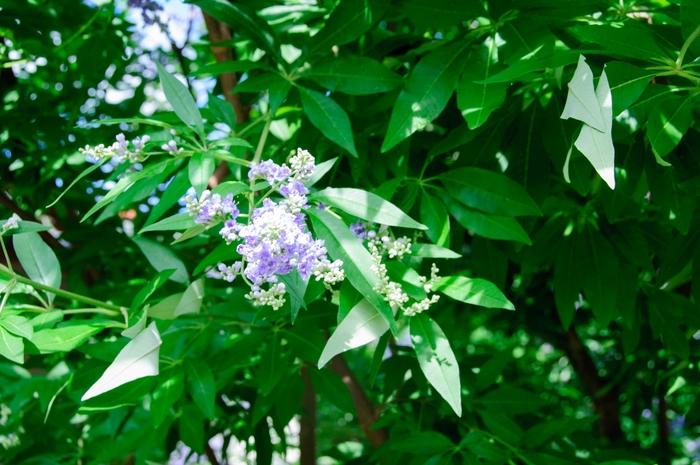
302 165
11 223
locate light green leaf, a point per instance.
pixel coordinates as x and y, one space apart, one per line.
165 395
436 360
354 76
668 122
432 251
200 169
296 288
489 191
427 91
162 258
180 99
321 170
598 146
17 325
37 260
488 225
357 262
201 386
581 101
176 188
329 118
473 291
11 346
229 66
65 338
633 40
367 206
362 325
138 359
191 301
172 223
627 83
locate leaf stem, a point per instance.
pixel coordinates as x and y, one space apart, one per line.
684 49
261 142
61 292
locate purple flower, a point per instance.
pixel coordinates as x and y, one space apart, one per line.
270 171
359 230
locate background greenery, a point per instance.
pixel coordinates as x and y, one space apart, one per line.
432 104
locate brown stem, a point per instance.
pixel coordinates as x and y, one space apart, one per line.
211 455
307 434
605 400
366 413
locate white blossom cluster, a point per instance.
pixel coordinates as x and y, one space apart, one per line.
120 151
11 223
380 244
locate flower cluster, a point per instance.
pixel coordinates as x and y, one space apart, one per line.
11 223
381 243
210 208
120 151
275 240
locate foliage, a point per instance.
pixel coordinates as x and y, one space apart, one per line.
510 186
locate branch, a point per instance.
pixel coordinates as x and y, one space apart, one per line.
605 400
307 435
366 413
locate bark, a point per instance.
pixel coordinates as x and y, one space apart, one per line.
606 402
367 414
307 435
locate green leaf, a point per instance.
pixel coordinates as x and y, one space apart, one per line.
162 258
627 83
201 386
421 443
435 217
436 360
598 267
348 20
191 428
229 66
321 170
175 190
329 118
440 14
362 325
296 288
566 281
180 99
84 173
357 262
24 226
38 260
165 395
476 99
172 223
17 325
11 346
542 58
489 191
367 206
200 169
432 251
633 40
473 291
65 338
598 146
581 101
354 75
244 21
138 359
427 92
511 399
668 122
488 225
690 19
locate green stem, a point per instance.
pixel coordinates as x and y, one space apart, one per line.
60 292
99 311
684 49
7 255
261 142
